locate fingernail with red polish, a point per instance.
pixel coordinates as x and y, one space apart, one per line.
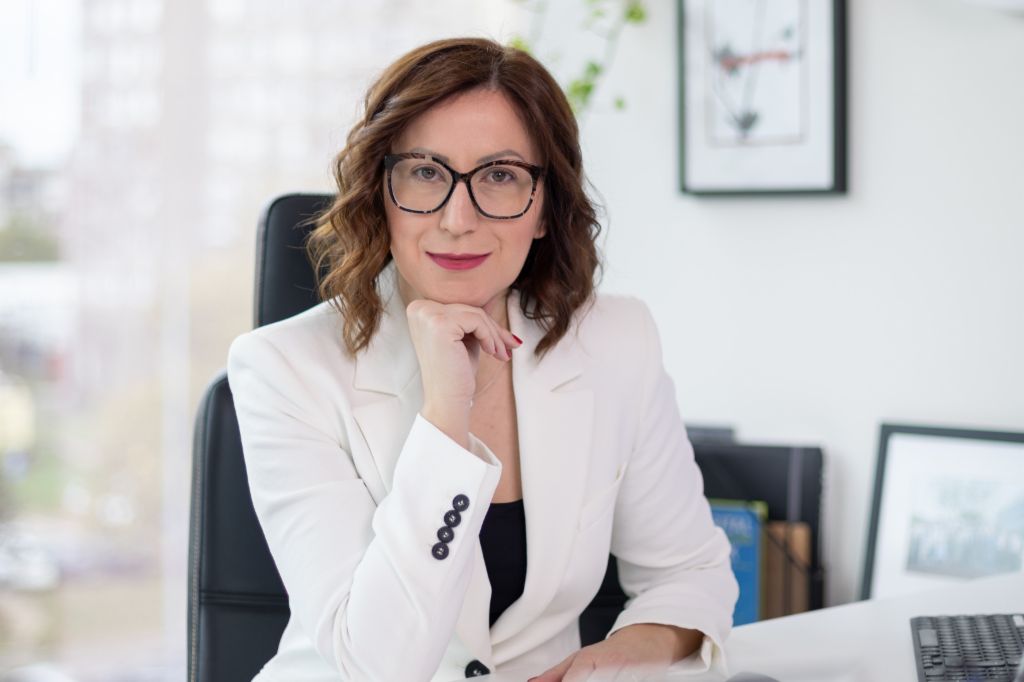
517 339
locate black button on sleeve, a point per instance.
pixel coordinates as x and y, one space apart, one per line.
452 518
440 551
445 534
477 669
460 503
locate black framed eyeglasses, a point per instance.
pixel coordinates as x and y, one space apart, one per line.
422 183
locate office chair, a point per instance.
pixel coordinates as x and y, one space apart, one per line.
237 605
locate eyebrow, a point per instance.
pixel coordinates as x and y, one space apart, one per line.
504 153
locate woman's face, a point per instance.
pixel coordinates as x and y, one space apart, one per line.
464 132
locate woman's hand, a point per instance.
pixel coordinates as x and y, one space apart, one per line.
632 653
448 338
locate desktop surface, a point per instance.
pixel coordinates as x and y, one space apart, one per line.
867 641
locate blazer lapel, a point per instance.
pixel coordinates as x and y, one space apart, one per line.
555 418
389 393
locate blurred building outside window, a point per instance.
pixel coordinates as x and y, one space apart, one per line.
139 140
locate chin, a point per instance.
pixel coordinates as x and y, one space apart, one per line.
466 295
467 298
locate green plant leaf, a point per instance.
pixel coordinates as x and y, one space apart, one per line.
635 12
519 43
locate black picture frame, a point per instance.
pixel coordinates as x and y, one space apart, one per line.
910 443
712 164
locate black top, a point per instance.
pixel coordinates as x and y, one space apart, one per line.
503 541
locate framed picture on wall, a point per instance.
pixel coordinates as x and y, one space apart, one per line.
762 96
948 506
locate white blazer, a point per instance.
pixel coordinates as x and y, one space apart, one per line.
351 485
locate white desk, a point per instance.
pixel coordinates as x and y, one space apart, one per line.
868 641
865 641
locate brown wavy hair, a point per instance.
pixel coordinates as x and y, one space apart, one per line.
349 245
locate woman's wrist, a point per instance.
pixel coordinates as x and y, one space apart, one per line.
677 642
452 422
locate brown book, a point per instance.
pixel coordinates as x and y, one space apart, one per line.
786 545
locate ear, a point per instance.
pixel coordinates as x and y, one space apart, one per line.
540 231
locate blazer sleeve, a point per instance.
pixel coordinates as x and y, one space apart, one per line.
674 563
363 581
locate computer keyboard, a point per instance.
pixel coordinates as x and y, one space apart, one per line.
985 647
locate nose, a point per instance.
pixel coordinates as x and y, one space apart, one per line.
459 215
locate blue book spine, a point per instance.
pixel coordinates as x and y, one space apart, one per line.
742 525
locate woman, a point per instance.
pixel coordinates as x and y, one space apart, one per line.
436 508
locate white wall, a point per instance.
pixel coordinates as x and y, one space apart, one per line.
813 320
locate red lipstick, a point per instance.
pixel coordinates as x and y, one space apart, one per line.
458 261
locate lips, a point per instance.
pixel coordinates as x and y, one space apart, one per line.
458 261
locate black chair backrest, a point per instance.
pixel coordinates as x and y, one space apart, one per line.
237 606
284 276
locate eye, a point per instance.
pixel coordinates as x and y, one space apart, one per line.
426 173
502 175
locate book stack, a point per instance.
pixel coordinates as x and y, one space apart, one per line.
770 559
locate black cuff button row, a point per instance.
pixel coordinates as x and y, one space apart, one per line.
446 533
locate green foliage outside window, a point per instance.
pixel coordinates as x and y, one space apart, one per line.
24 240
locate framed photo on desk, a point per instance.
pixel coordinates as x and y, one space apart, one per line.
948 507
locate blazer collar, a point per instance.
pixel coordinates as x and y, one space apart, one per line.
389 363
554 414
